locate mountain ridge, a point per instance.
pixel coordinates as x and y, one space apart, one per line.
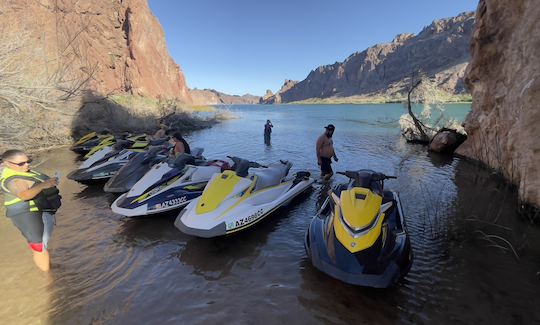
440 50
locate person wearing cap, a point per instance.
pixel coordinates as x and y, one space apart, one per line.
160 134
325 151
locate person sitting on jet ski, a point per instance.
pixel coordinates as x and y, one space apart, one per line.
180 145
161 133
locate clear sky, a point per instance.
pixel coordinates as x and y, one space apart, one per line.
248 46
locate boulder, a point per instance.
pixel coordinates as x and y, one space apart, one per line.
446 141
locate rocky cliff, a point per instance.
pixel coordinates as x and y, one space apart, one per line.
271 98
214 97
504 77
440 50
118 46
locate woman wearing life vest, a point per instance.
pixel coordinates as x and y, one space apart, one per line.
31 199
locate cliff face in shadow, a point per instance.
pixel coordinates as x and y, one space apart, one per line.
440 50
117 46
504 77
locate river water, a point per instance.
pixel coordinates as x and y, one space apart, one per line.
107 269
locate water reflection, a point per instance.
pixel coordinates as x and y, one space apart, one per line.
332 301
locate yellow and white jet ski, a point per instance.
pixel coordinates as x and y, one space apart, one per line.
235 200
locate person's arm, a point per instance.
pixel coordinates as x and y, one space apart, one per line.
24 192
334 155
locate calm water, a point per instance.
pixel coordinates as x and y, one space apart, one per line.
111 270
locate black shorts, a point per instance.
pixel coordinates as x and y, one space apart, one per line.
30 225
326 166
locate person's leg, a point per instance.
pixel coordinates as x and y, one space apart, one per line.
326 168
42 260
48 227
31 226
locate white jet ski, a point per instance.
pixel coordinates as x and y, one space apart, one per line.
104 163
235 200
168 186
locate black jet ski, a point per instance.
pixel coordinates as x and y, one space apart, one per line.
135 169
87 142
359 235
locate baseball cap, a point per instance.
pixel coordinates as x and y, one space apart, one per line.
330 127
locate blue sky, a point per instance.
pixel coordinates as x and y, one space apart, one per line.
248 46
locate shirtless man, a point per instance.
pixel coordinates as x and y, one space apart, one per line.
325 151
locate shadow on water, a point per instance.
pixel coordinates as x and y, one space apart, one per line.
332 301
214 258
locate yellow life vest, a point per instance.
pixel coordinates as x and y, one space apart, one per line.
14 205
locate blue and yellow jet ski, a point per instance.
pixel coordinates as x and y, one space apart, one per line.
359 235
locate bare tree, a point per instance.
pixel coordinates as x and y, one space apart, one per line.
422 128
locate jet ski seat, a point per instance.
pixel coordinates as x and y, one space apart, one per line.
204 172
272 175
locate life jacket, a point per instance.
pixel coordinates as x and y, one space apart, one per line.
46 200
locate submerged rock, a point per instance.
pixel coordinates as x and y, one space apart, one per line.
446 141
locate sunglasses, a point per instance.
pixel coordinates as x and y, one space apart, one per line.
21 163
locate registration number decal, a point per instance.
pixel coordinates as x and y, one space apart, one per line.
171 203
246 220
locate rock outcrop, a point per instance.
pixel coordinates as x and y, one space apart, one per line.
440 50
446 141
118 45
214 97
504 78
271 98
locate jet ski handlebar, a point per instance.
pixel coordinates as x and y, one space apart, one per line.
241 166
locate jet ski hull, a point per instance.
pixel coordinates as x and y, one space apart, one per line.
379 266
237 215
102 169
167 201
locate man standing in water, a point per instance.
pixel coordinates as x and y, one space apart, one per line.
325 151
268 131
30 199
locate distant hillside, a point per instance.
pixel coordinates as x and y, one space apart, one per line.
214 97
441 50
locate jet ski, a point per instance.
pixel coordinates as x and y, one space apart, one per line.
138 142
135 169
104 163
182 183
359 235
87 142
235 200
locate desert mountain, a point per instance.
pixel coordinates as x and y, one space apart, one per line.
440 50
214 97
